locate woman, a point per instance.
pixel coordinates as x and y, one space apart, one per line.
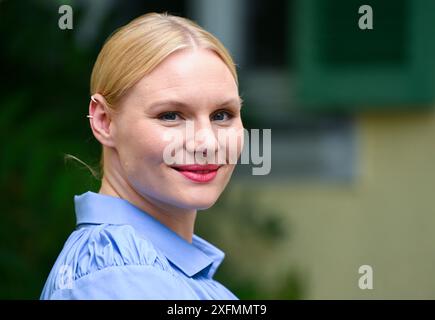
135 239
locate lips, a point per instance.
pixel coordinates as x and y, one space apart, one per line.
198 173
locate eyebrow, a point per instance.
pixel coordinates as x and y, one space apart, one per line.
238 101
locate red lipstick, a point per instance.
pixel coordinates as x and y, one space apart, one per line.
198 172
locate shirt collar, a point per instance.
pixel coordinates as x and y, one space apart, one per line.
191 258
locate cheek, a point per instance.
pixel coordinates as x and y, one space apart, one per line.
141 146
240 139
232 139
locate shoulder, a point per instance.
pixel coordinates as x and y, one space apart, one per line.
95 247
100 254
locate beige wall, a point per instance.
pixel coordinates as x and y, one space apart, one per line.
384 218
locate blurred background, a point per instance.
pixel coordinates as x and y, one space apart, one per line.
353 142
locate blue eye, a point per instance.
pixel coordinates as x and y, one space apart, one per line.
169 116
221 116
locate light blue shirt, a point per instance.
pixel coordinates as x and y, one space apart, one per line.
121 252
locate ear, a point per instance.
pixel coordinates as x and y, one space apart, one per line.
101 120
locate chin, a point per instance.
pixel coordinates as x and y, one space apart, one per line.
199 202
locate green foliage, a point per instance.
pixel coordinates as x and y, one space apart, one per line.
43 101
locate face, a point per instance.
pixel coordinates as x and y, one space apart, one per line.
190 92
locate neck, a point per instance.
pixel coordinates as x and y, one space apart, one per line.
179 220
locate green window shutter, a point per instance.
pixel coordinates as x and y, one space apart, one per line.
341 66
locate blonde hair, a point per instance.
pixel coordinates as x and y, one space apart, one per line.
135 49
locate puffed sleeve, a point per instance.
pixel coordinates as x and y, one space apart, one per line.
120 283
111 262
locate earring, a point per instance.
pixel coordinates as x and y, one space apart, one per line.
94 100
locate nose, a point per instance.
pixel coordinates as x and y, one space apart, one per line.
201 138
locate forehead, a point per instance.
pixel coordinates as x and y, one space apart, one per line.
197 74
